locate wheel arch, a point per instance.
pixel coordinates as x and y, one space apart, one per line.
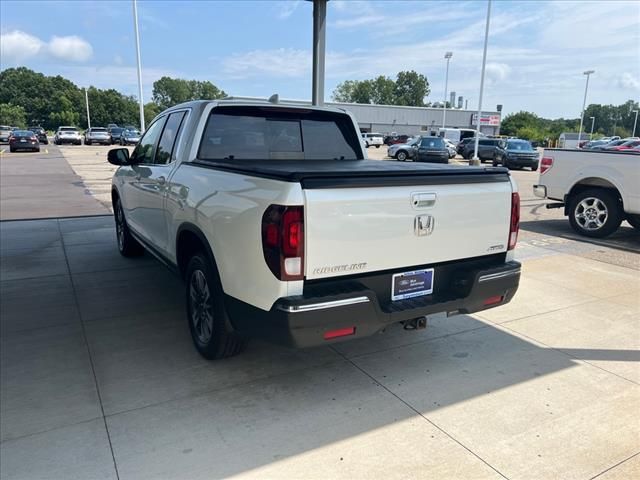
189 239
589 183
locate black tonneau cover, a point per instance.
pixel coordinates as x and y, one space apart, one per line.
314 174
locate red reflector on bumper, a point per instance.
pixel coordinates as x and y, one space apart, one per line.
342 332
493 300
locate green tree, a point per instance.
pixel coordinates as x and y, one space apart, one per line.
151 110
13 115
514 122
168 91
382 90
411 89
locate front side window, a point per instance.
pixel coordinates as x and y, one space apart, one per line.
145 150
263 133
168 139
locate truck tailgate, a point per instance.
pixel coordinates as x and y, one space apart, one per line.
366 229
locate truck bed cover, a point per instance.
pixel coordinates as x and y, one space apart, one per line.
358 173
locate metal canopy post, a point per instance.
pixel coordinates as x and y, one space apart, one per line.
319 35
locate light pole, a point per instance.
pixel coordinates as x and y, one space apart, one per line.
86 99
584 103
476 160
140 100
448 56
635 122
593 121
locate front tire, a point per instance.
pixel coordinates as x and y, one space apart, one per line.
377 146
595 213
127 245
208 320
401 156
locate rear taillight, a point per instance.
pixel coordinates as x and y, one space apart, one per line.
545 164
33 138
514 225
283 241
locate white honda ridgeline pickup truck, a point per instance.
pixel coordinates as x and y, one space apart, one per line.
282 229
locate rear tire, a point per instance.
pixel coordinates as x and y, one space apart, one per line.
534 167
127 245
595 213
209 324
12 150
377 146
87 142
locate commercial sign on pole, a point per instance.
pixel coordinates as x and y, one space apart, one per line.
493 120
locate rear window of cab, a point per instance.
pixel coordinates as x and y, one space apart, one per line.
272 133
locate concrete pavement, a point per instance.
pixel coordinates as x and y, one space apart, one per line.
43 185
99 378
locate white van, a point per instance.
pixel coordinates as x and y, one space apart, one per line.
456 134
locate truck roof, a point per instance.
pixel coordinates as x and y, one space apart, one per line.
200 104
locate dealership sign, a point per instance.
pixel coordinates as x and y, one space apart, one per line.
493 120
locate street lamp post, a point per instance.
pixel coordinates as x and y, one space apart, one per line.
593 121
635 122
140 100
476 160
448 56
86 99
584 103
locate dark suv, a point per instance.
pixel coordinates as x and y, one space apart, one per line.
516 153
41 134
487 148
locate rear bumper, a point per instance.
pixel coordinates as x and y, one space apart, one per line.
69 140
305 320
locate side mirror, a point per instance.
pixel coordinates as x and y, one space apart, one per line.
118 156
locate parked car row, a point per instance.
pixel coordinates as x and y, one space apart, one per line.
110 135
619 144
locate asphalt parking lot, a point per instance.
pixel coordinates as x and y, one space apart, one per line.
99 379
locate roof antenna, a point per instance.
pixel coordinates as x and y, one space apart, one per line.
274 98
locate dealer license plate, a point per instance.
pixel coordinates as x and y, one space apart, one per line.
412 284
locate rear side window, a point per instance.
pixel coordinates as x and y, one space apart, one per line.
168 139
432 142
264 133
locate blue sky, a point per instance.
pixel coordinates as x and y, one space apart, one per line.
537 50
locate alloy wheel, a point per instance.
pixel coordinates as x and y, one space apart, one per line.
591 213
200 306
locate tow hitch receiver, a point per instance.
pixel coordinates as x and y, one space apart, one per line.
419 323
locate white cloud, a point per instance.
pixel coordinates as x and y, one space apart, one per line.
628 81
358 21
496 72
19 45
117 59
286 8
71 48
281 62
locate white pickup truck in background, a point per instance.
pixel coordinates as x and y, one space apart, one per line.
373 139
281 228
598 189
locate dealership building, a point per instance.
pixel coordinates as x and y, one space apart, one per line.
408 120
